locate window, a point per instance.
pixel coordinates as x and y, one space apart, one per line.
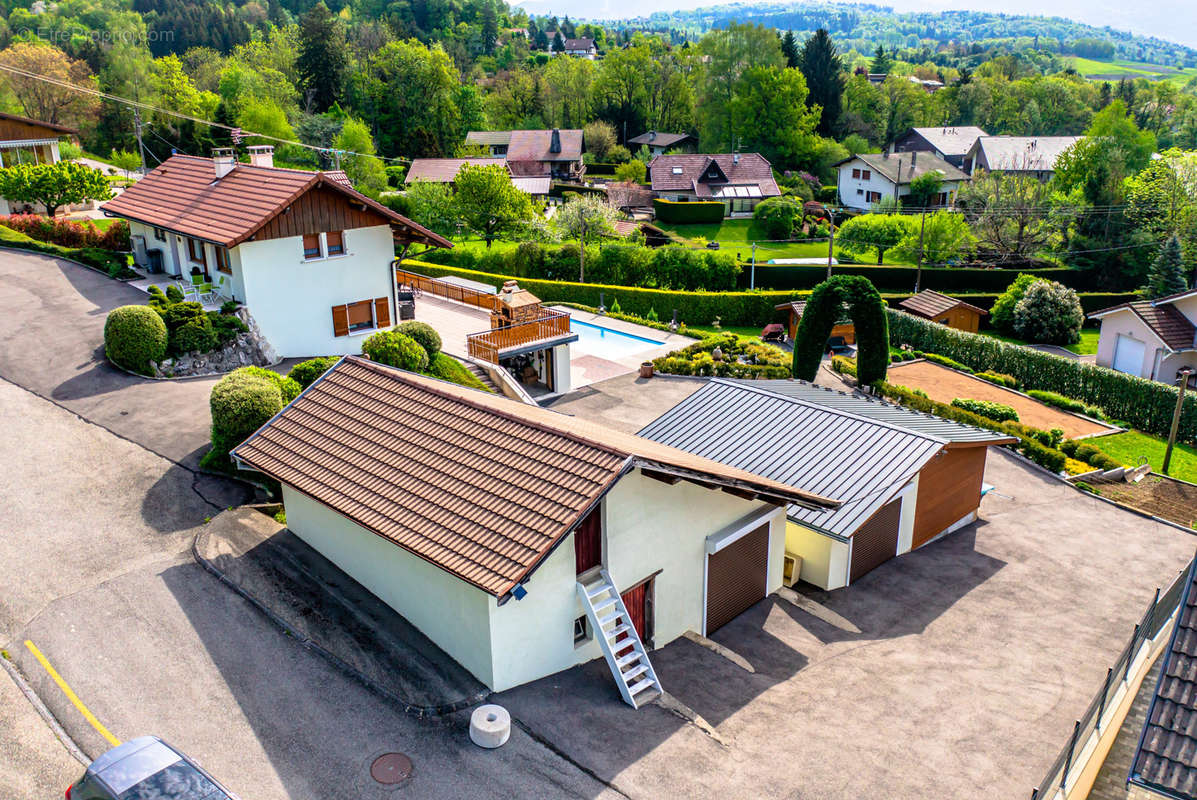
361 315
856 173
222 261
311 245
195 251
160 234
581 630
873 197
677 170
336 243
866 174
860 191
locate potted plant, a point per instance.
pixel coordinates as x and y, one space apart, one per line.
646 369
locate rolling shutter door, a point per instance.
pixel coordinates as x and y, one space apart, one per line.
876 541
1128 355
736 577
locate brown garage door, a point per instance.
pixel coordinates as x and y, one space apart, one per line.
876 541
736 577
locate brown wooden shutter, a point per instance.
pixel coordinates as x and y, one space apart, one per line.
382 312
311 245
340 316
336 244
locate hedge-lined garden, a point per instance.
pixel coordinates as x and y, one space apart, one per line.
116 265
726 355
949 280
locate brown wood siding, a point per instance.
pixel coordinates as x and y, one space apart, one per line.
736 577
588 542
317 211
848 331
637 601
876 541
14 129
949 489
963 319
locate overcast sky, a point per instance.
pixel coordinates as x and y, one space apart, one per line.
1175 20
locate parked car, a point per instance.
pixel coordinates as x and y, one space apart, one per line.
146 768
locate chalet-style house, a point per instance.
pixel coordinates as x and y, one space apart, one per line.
738 180
580 48
944 310
1153 339
949 143
658 142
1022 155
521 541
444 170
903 478
29 141
794 309
867 178
495 142
309 256
555 154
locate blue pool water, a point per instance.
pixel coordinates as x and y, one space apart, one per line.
606 343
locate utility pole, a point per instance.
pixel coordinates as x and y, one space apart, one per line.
918 274
137 130
1180 402
830 241
752 275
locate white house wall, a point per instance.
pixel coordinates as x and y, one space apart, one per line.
824 559
849 186
908 496
1126 324
291 299
449 611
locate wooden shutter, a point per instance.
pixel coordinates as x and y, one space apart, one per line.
340 316
311 245
336 244
382 312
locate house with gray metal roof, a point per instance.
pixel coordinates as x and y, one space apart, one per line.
1021 155
903 478
949 142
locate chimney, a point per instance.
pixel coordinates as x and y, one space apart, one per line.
914 158
735 158
261 155
223 161
652 135
555 143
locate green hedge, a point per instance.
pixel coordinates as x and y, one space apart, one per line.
949 280
305 373
688 212
867 310
241 402
1146 405
998 412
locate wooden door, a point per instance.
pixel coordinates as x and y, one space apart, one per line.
737 577
636 601
588 541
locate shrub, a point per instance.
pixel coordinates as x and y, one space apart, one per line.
683 213
173 293
305 373
241 402
987 408
843 365
823 308
1049 312
740 359
1046 457
425 336
1069 447
1084 452
69 233
396 350
1001 316
1009 381
942 360
195 335
226 327
1066 403
227 307
447 368
134 336
778 216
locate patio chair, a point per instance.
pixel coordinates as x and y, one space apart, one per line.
207 293
223 288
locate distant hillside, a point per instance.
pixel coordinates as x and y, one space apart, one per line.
865 26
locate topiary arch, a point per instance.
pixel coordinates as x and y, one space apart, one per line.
823 307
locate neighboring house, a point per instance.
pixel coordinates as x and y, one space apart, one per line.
1153 339
555 154
796 308
949 143
1022 155
521 541
495 142
867 178
579 48
658 142
29 141
738 180
928 85
902 478
309 256
444 170
944 310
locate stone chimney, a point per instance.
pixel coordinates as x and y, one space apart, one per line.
261 155
223 161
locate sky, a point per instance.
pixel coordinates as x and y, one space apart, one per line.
1174 20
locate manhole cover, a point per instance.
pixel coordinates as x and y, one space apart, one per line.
391 768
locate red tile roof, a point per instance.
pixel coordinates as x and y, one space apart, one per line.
183 195
535 146
749 168
444 170
1163 319
479 485
931 304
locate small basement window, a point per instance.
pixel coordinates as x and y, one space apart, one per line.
311 245
336 243
581 630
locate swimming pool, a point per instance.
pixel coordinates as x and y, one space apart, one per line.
607 343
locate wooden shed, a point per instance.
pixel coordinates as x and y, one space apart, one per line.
944 310
795 308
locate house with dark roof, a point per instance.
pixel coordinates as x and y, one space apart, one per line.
521 541
555 154
582 47
1153 339
738 180
867 178
308 255
949 142
903 478
658 142
495 142
944 310
1022 155
29 141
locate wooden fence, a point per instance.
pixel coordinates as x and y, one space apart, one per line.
450 291
488 344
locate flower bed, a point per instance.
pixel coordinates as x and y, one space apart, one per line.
725 355
70 233
115 265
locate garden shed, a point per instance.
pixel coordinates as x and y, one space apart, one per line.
945 310
794 310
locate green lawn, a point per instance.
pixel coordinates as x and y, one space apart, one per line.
1086 346
1113 70
737 235
1132 446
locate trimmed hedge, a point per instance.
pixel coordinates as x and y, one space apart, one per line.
134 336
396 350
998 412
305 373
949 280
1067 403
688 212
867 310
1146 405
116 265
997 378
241 402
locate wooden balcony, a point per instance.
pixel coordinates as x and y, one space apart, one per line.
489 344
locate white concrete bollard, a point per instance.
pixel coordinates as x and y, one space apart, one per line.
490 726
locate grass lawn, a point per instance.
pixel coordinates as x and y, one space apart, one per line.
737 236
1086 346
1132 446
1112 70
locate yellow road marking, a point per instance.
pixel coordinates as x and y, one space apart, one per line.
74 698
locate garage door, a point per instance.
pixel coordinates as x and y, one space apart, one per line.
736 577
876 541
1128 355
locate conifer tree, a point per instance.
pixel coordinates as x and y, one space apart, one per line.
1166 275
824 72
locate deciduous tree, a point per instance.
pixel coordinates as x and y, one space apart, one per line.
488 202
873 232
47 101
53 185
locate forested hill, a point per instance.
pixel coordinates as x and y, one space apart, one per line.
863 27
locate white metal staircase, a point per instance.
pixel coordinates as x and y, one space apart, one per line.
634 674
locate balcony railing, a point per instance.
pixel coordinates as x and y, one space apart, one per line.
450 291
488 344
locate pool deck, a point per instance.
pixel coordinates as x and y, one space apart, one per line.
587 367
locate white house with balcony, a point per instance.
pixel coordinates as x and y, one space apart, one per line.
307 254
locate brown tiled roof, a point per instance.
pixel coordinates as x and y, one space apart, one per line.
1163 319
444 170
183 195
931 304
797 306
479 485
340 176
750 168
535 146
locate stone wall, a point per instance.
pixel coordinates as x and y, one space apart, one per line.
248 349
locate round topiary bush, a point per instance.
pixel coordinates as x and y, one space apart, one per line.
305 373
425 336
241 402
396 350
133 337
288 388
